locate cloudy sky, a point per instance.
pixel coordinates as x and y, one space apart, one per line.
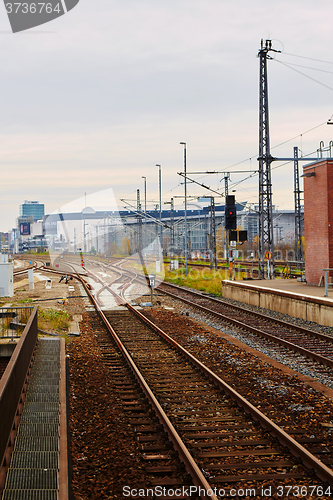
96 98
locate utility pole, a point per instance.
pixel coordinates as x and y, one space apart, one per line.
213 261
266 236
139 219
160 201
145 192
226 192
185 186
298 214
172 220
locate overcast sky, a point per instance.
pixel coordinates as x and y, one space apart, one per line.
96 98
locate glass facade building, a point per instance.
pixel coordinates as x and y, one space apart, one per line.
33 209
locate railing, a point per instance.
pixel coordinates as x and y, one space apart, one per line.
13 380
13 320
327 284
294 268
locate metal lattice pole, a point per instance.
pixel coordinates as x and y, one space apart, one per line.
160 203
185 188
213 260
226 192
298 214
266 237
172 221
139 219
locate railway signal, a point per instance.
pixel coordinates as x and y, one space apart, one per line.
230 214
238 236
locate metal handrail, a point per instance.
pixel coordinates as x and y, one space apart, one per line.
13 380
327 284
14 319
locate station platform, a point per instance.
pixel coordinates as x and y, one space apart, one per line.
38 466
289 297
293 286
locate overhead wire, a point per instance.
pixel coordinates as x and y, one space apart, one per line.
278 145
299 135
304 74
306 67
304 57
288 65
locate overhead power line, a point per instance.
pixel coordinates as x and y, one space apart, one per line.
307 67
309 58
304 74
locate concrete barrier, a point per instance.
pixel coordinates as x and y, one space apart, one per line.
300 306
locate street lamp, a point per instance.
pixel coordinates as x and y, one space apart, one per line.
184 144
145 178
86 210
144 243
160 193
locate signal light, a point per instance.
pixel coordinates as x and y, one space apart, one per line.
242 236
233 236
230 217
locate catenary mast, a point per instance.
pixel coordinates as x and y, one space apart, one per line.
266 240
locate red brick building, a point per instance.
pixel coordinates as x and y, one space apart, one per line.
318 219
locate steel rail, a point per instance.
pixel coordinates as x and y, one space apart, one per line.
309 460
259 315
290 345
190 464
294 347
322 471
26 269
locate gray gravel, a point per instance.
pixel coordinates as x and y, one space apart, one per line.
327 330
293 360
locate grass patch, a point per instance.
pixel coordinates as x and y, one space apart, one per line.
205 280
53 319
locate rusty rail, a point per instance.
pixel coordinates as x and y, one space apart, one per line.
322 471
190 464
256 331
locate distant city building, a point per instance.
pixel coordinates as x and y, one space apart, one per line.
33 209
23 224
74 232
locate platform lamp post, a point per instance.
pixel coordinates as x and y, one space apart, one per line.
145 232
160 202
185 187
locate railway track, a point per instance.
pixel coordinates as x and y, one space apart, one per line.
311 352
223 441
216 425
312 344
308 351
20 271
